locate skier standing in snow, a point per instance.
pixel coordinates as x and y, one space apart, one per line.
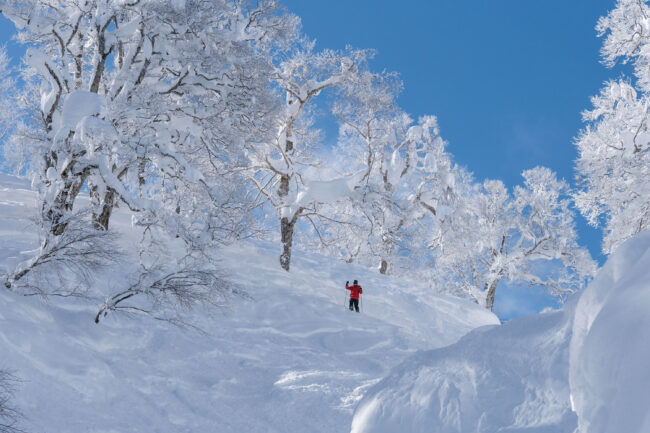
355 291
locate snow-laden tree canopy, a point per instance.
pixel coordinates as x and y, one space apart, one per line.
279 166
527 237
403 172
613 163
138 100
142 104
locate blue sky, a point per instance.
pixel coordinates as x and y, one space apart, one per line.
507 79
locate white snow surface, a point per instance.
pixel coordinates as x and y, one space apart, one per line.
583 369
510 378
324 191
78 105
610 349
291 359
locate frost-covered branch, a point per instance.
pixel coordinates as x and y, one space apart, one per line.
66 265
7 94
166 294
614 145
9 415
526 238
300 75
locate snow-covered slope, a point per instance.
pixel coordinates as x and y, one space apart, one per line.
510 378
292 359
610 349
525 375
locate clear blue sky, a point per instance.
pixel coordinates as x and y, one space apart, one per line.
507 79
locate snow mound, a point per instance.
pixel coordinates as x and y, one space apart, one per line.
291 359
583 369
610 378
492 380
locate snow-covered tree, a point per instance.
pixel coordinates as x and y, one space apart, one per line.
122 97
144 104
68 265
7 83
401 170
284 170
614 158
525 238
171 281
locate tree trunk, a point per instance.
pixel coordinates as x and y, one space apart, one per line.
287 225
491 292
383 268
286 228
101 219
102 208
63 203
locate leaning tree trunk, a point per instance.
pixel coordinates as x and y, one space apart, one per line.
103 206
102 218
64 201
491 293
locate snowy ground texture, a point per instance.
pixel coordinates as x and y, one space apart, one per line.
583 369
292 359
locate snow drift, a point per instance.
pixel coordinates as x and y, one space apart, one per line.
584 367
610 378
511 378
291 359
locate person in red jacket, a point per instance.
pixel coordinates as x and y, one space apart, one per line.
355 290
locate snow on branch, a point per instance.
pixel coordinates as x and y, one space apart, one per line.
165 294
66 265
9 415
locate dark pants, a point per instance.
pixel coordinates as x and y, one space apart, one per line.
354 304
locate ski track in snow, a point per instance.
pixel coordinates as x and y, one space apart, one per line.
291 359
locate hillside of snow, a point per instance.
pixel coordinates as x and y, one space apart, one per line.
583 369
511 378
291 358
610 349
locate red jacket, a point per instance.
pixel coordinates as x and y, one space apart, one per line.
355 291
